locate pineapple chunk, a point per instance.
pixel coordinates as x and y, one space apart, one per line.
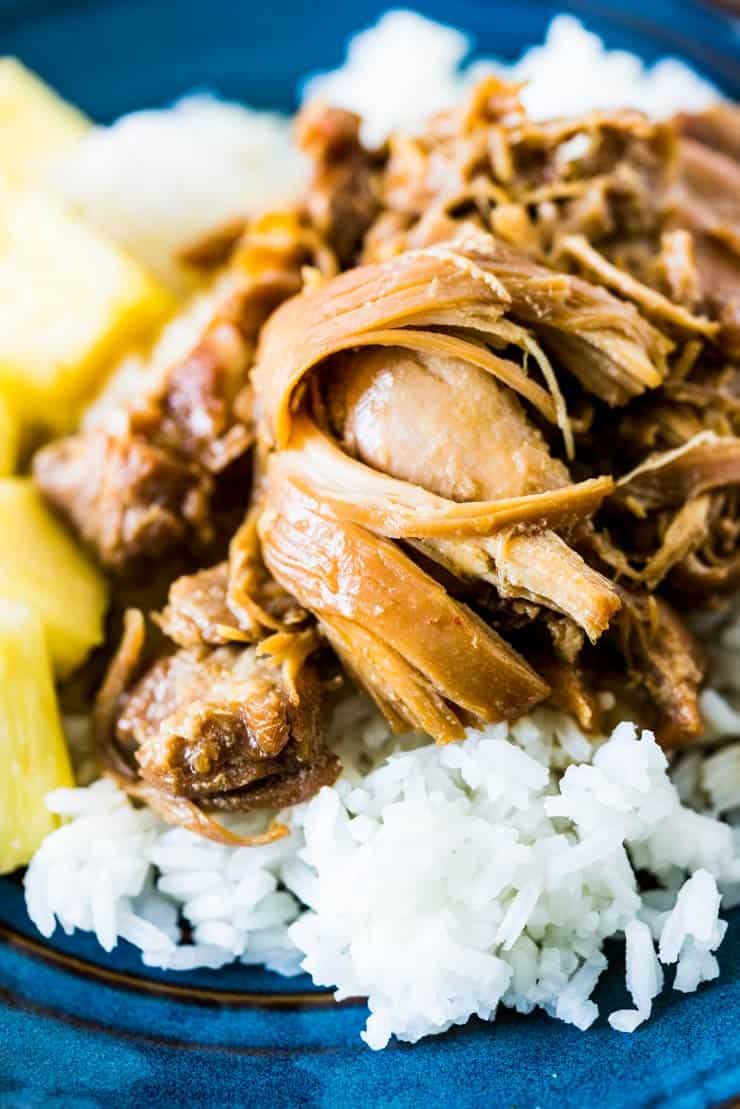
41 565
32 747
37 127
8 438
70 302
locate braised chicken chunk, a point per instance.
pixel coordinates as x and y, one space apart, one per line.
474 406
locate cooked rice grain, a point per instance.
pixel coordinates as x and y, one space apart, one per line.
504 872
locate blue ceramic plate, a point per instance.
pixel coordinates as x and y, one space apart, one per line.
78 1028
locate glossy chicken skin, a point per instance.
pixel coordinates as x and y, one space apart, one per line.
429 662
449 427
439 423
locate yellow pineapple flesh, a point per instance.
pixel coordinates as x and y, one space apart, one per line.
37 127
33 751
41 565
8 438
70 303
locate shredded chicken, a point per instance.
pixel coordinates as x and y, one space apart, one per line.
579 246
129 500
705 462
449 428
469 415
717 127
342 200
153 486
440 450
427 659
207 724
666 662
211 728
198 613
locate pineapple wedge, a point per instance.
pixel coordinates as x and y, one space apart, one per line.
37 127
70 302
32 747
41 565
8 438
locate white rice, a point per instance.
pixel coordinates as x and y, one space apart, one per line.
504 862
506 876
571 73
157 181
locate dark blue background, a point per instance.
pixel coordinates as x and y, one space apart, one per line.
112 56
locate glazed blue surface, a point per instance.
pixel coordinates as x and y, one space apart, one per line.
73 1035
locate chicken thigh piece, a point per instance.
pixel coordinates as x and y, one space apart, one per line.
447 426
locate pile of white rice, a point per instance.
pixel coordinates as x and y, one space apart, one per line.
505 862
502 872
570 73
157 181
